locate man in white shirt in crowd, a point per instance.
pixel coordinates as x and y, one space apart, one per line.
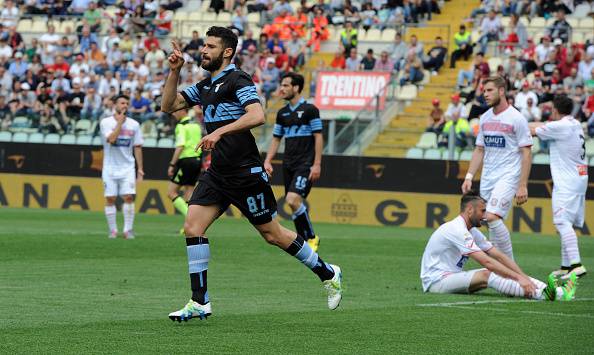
454 242
521 99
531 112
569 170
455 109
490 29
503 148
122 143
585 67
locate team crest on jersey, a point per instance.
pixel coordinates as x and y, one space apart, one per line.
264 176
299 114
493 202
218 86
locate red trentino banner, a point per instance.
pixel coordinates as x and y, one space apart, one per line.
350 90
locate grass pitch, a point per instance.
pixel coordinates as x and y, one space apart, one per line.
66 288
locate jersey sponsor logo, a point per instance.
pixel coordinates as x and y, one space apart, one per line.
299 114
123 142
498 127
462 261
495 141
285 114
582 170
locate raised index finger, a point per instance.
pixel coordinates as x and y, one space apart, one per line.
175 45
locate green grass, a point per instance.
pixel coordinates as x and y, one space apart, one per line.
66 288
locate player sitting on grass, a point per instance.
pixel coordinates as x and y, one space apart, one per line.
455 241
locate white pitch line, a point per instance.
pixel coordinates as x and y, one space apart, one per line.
589 316
465 303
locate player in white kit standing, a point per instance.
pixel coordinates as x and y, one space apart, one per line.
122 141
570 179
503 147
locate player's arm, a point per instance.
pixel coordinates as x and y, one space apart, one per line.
316 168
533 126
500 269
172 100
173 161
475 163
504 260
270 155
139 162
112 137
522 194
253 117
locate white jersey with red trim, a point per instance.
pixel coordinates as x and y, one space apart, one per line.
448 249
118 158
502 135
568 154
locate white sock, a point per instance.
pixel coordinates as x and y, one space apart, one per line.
512 288
564 257
128 210
110 214
499 236
569 242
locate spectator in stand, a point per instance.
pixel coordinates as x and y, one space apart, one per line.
106 83
59 64
456 109
151 59
281 60
270 78
150 40
93 17
15 39
368 62
86 39
239 20
517 35
247 41
296 51
462 133
368 16
320 31
413 70
163 21
50 39
94 56
109 40
138 22
353 62
585 67
78 65
436 56
78 7
415 47
338 62
65 48
18 67
92 105
140 107
560 28
531 112
463 43
250 60
280 7
348 38
571 82
73 104
384 63
521 98
436 118
490 30
5 50
469 75
398 50
9 16
512 66
567 66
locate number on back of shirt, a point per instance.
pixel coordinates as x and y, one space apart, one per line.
583 155
253 203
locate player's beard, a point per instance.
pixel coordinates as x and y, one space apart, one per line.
213 63
496 101
290 96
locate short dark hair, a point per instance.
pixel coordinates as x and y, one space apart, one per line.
120 96
228 38
296 80
470 197
563 104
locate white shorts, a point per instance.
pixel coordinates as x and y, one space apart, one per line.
569 208
119 186
500 198
458 282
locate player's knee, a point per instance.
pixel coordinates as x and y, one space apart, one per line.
128 198
271 237
110 201
563 227
193 229
480 281
492 218
294 201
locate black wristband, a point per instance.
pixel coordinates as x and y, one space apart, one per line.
172 165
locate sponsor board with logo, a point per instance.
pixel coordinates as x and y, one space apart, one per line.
350 90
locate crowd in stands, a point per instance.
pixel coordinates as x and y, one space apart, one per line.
535 68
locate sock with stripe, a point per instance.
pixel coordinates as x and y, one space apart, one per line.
128 210
304 253
499 236
180 205
110 215
512 288
569 242
303 225
198 256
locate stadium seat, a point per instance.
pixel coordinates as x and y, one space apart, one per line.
20 137
541 159
5 136
165 143
253 18
494 62
96 141
388 35
68 139
52 138
374 35
573 22
407 93
83 126
582 10
427 140
224 17
180 16
592 161
150 142
414 153
466 155
505 21
538 22
590 147
433 154
587 23
445 155
38 26
36 138
20 122
84 140
535 145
